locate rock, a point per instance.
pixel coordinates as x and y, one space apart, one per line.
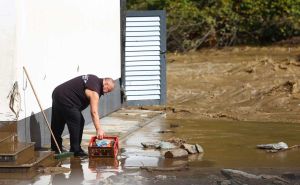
176 153
224 182
291 175
240 177
154 145
191 149
274 178
199 148
229 173
273 146
166 145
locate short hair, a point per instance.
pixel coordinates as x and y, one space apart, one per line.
110 80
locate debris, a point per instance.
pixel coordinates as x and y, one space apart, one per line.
176 141
103 142
273 146
15 100
240 177
54 170
166 131
191 149
176 168
176 153
173 125
289 148
249 70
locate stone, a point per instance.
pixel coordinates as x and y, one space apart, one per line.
166 145
191 149
273 146
176 153
154 145
199 148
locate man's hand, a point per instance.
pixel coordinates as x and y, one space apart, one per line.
99 133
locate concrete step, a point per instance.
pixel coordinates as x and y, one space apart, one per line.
16 152
6 137
28 169
8 126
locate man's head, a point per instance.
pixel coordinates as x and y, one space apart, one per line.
108 85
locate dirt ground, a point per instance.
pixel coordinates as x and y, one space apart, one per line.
241 83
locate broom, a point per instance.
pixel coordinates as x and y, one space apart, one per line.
61 154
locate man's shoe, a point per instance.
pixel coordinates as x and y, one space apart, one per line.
81 153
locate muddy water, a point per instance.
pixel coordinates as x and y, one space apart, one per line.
233 143
226 144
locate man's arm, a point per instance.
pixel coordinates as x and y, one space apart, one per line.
94 100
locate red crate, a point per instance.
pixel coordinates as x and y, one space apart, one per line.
112 151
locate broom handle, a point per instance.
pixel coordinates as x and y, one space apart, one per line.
44 115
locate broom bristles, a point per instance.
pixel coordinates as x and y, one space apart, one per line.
63 155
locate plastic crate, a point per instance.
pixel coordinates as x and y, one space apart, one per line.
112 151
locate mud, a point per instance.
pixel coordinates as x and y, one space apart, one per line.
246 83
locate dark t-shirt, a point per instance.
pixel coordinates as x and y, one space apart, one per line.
72 93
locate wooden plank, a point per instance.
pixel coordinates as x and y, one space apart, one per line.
142 53
140 58
149 92
149 82
142 33
141 73
142 87
137 39
146 97
142 63
143 43
139 19
148 28
140 78
143 48
143 68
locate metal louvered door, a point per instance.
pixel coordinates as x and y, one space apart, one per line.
145 65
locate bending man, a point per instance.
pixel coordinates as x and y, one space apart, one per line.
69 99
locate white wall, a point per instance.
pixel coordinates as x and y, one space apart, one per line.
57 40
7 56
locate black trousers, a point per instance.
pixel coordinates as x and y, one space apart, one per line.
61 116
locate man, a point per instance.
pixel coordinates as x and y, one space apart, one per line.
69 99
